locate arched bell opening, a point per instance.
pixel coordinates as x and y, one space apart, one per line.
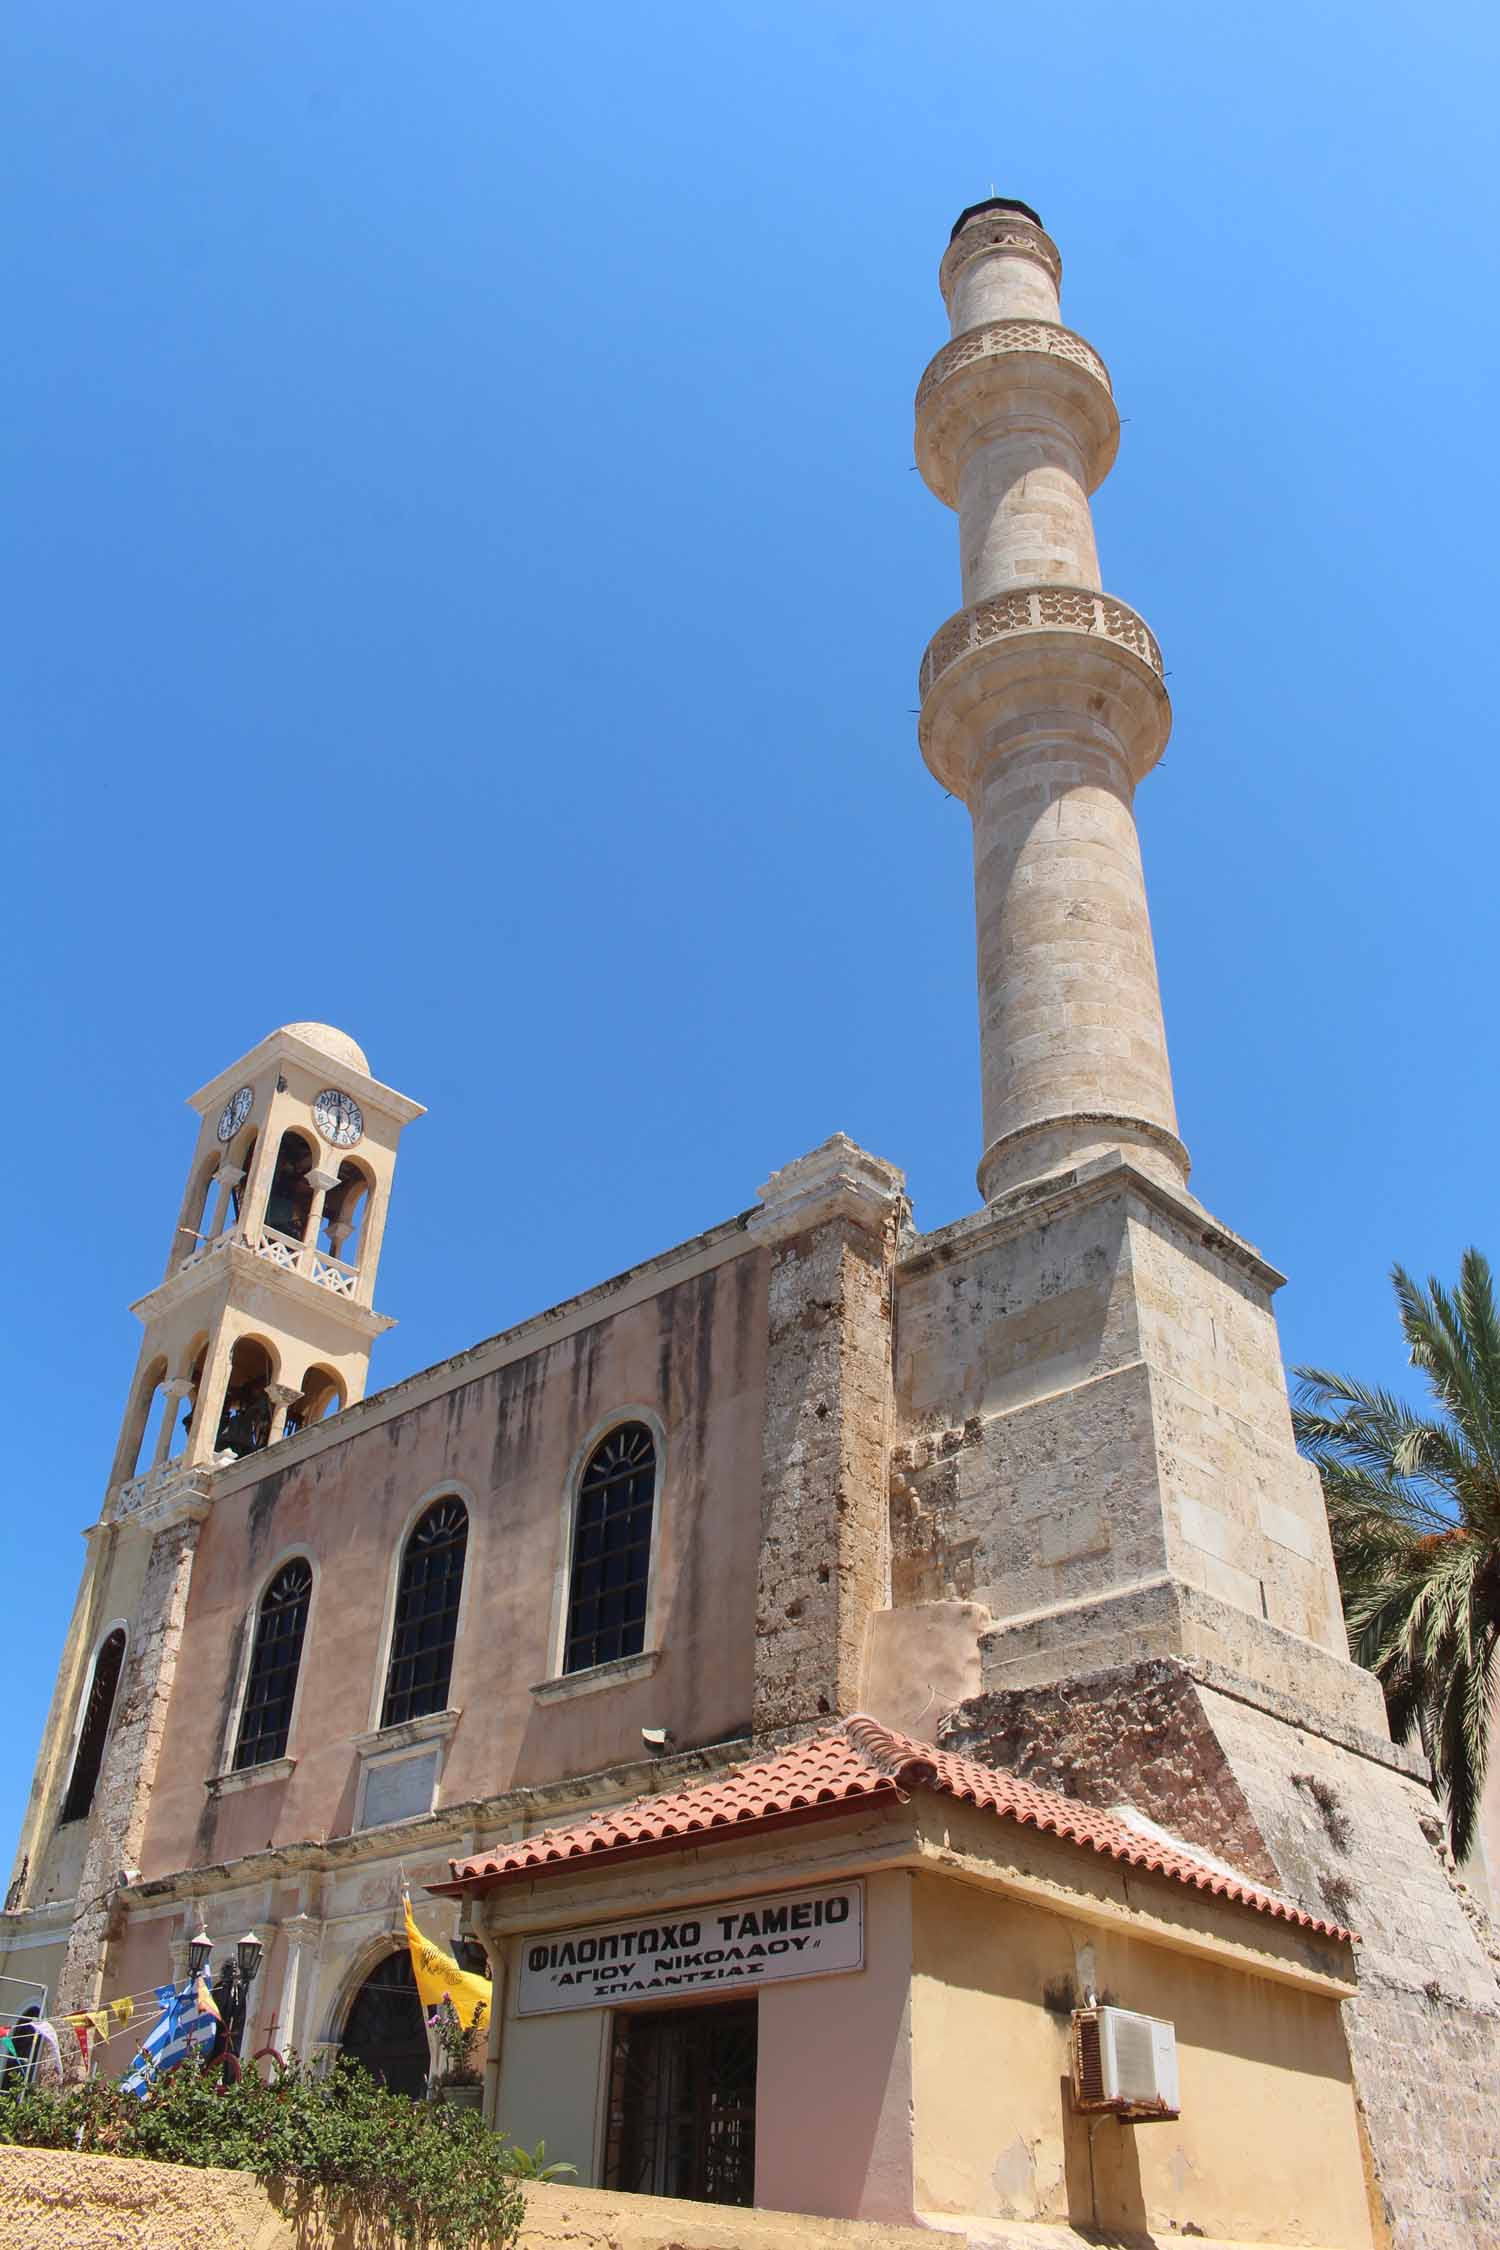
193 1229
245 1421
322 1394
289 1203
195 1360
144 1430
345 1210
237 1163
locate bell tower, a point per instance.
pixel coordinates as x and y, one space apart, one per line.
264 1317
260 1326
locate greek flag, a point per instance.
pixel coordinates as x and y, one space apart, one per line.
182 2026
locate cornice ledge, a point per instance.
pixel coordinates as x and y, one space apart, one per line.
541 1804
613 1673
837 1180
1084 1183
245 1777
183 1498
435 1726
238 1258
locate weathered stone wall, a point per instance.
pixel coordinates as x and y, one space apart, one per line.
122 1800
1348 1833
1424 2034
831 1221
1097 1445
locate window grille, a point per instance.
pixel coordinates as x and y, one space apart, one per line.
94 1732
432 1576
612 1550
266 1720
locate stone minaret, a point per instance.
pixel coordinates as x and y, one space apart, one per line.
1101 1330
1042 707
1100 1520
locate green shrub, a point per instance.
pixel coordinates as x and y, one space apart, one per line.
428 2174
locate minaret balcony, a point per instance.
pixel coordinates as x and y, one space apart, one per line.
285 1252
1009 377
1033 655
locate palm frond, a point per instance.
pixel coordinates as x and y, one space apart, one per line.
1439 1343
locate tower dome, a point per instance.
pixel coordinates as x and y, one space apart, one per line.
335 1043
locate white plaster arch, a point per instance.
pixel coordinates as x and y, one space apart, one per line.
196 1211
149 1379
234 1335
362 1962
598 1430
296 1550
446 1488
366 1957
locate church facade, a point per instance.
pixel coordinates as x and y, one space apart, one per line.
939 1630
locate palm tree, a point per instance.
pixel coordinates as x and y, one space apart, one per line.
1414 1508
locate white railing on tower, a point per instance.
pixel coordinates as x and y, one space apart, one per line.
285 1251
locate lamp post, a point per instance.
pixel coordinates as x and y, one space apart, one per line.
231 1987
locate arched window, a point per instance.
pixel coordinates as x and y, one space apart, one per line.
94 1733
432 1576
266 1720
612 1550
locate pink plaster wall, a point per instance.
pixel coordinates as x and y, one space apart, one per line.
696 1354
833 2094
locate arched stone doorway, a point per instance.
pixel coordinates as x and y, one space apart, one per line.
385 2029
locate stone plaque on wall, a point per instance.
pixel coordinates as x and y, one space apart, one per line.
733 1945
399 1789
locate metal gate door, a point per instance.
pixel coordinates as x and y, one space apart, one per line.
682 2103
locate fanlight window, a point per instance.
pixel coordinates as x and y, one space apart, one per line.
266 1720
432 1577
612 1550
94 1732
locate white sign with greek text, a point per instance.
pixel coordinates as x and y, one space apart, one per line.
733 1946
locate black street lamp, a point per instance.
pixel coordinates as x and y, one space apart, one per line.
231 1988
200 1953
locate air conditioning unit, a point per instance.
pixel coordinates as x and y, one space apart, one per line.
1124 2065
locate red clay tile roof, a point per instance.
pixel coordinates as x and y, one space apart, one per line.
847 1766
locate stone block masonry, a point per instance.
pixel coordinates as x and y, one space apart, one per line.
830 1222
128 1776
1124 1480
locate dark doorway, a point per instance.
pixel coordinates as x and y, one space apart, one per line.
682 2103
385 2030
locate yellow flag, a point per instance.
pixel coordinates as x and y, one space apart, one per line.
438 1976
122 2010
205 2000
99 2023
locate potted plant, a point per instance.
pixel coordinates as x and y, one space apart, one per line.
459 2077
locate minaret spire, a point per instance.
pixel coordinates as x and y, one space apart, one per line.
1042 707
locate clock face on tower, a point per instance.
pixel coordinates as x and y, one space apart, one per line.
232 1116
338 1117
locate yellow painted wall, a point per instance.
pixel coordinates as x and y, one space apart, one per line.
1266 2149
50 2198
552 2071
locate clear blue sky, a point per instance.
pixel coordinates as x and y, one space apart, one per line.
464 579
